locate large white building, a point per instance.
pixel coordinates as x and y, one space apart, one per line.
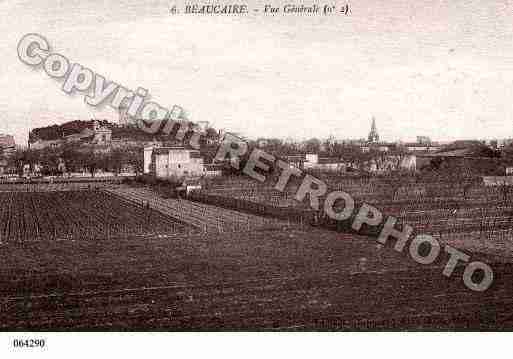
164 162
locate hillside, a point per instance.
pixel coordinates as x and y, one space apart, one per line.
58 132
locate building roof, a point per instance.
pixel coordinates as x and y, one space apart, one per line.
465 150
417 144
329 160
165 150
294 158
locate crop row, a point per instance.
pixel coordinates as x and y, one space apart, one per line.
26 216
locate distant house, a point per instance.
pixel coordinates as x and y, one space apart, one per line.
313 161
296 160
213 170
331 164
504 142
102 135
468 156
418 147
378 147
165 162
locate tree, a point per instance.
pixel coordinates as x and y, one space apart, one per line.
135 159
313 145
507 155
73 158
211 135
116 160
350 153
49 158
91 160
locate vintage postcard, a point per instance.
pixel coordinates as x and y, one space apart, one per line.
271 165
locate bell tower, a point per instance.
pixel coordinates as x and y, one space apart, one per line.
373 134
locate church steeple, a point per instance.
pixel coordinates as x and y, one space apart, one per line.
373 134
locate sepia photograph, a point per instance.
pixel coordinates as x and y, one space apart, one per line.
274 167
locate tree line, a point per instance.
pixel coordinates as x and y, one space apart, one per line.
70 158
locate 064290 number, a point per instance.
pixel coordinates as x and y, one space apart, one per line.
28 343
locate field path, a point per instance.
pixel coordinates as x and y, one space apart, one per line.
205 217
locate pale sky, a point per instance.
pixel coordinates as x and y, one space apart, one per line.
443 69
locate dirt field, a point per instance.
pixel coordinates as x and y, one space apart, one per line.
112 269
316 280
